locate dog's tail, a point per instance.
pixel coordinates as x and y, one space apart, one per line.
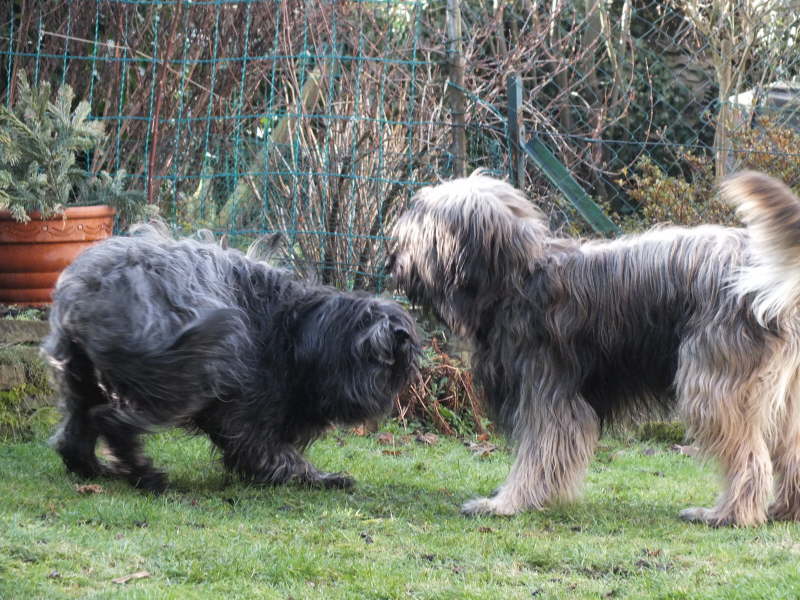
177 378
771 212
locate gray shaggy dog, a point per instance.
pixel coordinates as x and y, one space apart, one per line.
148 332
570 335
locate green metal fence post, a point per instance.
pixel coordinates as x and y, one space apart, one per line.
514 130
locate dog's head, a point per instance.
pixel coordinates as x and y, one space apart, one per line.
355 353
463 244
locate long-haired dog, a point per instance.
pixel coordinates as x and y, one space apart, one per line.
149 332
569 335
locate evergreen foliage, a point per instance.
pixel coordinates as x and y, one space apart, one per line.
42 142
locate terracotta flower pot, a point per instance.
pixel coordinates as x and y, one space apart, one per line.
33 254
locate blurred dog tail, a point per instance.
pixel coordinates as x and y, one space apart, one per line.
170 382
771 212
266 248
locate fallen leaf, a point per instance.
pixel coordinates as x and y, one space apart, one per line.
427 438
385 438
485 529
686 450
393 452
90 488
126 578
482 449
484 437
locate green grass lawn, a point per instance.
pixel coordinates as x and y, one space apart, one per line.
398 534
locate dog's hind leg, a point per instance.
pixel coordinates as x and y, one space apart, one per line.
748 473
122 437
76 437
786 462
785 451
556 443
727 415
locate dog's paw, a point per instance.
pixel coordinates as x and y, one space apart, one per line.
487 506
326 481
154 482
87 469
781 512
706 516
336 481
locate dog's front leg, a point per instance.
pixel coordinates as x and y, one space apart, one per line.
556 444
308 474
278 465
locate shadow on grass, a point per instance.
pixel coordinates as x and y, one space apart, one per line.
384 488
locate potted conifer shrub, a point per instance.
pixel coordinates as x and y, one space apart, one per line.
51 206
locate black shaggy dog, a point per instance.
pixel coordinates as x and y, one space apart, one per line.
570 335
148 332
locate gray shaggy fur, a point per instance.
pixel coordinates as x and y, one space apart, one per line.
570 335
149 332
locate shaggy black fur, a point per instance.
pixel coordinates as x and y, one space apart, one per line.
150 332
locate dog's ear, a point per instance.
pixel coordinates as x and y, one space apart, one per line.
491 233
465 242
494 243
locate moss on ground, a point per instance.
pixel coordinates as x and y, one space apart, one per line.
26 399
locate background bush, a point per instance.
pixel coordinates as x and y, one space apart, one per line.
320 119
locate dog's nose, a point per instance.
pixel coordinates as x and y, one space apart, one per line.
401 334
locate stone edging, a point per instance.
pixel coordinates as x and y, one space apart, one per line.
14 331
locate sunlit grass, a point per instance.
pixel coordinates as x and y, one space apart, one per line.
398 534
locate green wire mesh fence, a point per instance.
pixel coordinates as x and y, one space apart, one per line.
320 119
